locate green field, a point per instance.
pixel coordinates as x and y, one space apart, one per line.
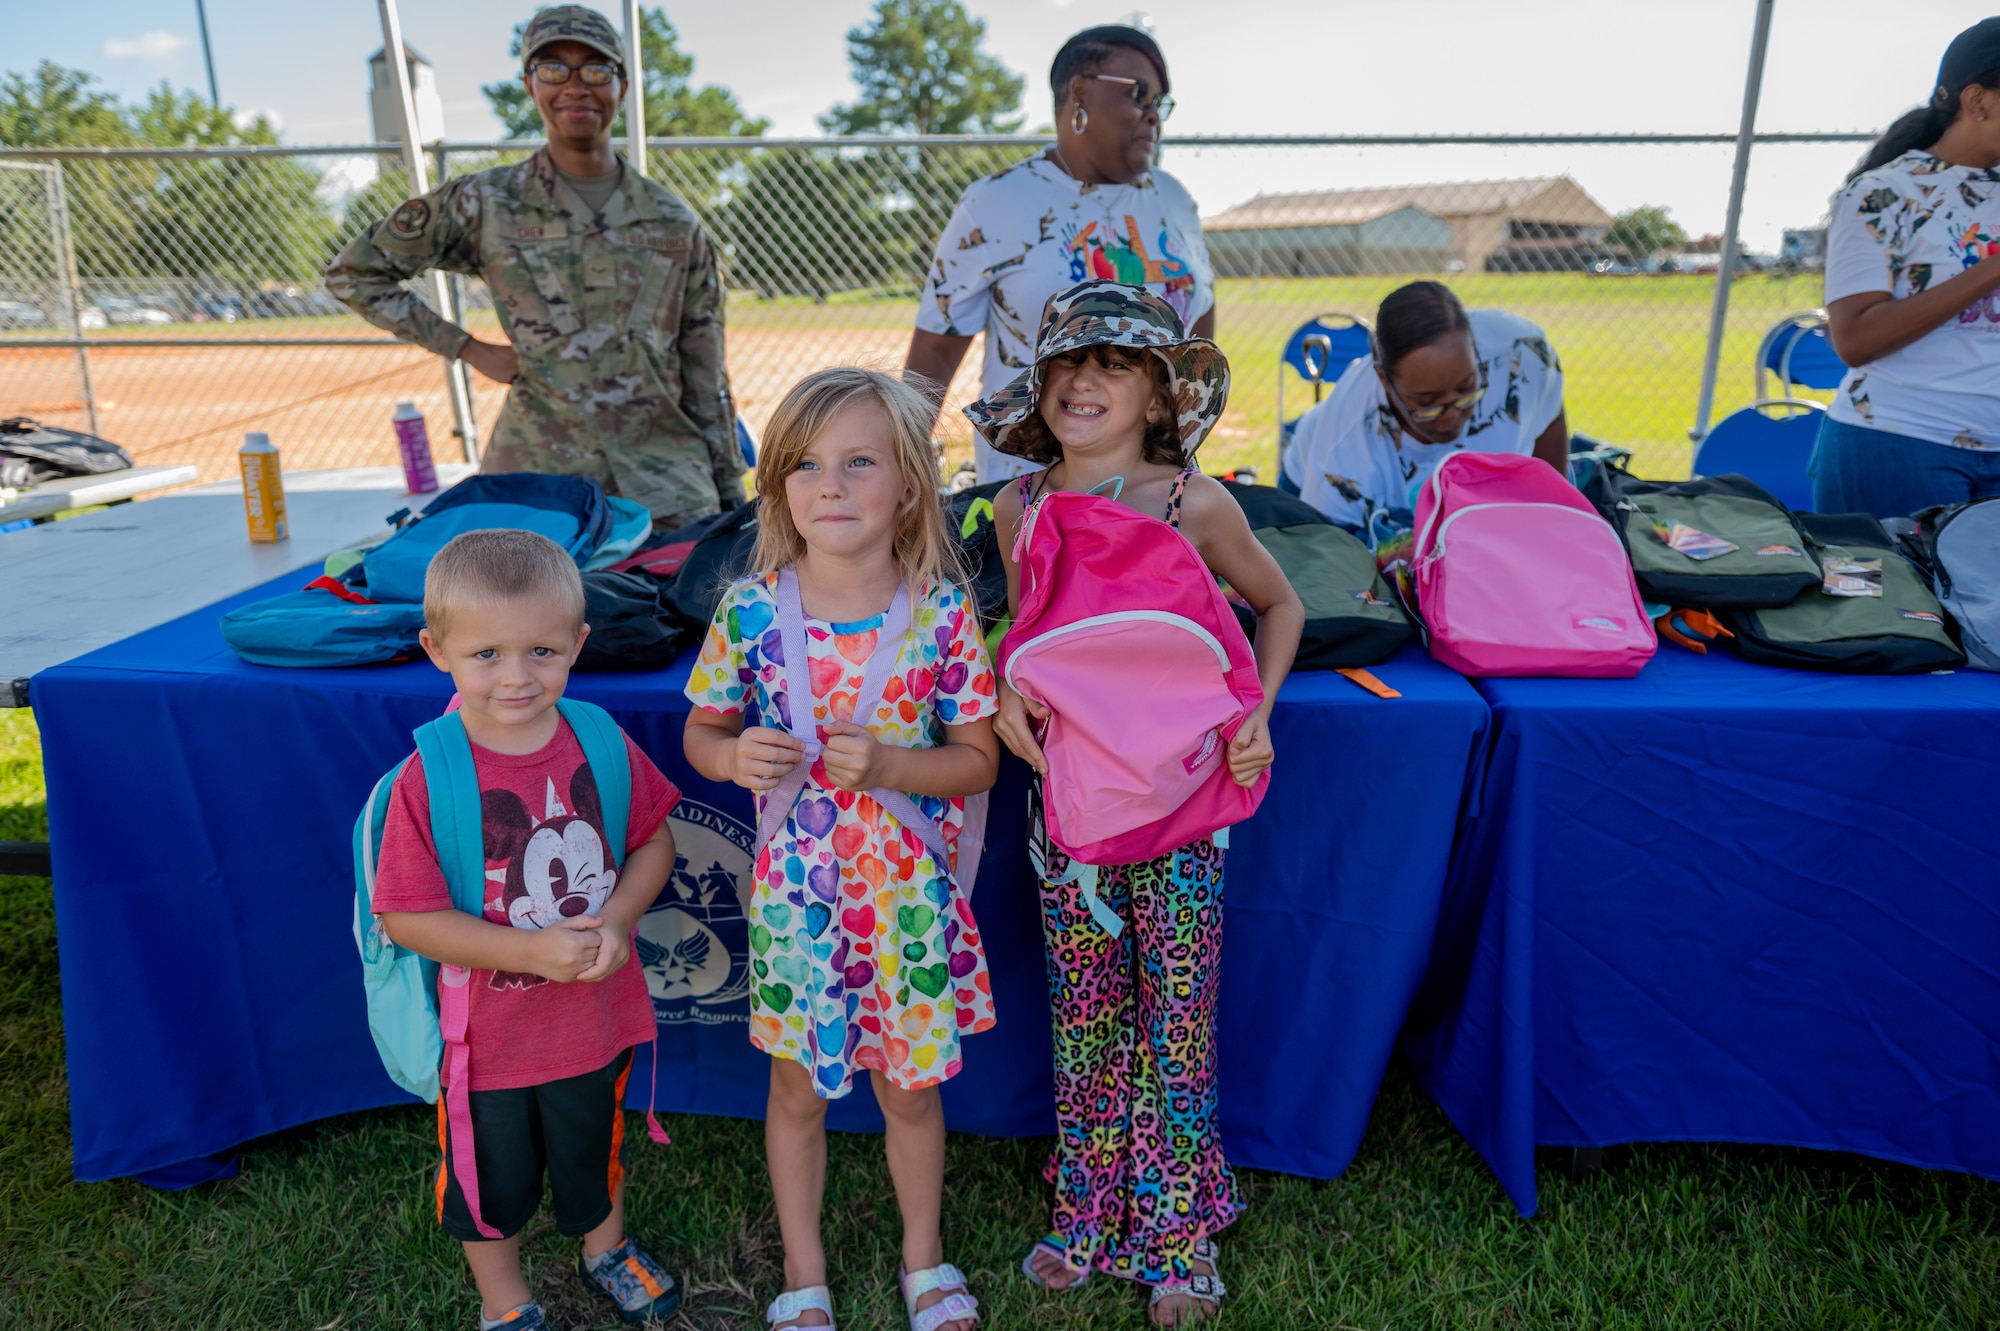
329 1226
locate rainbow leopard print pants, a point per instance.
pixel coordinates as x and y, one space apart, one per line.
1138 1172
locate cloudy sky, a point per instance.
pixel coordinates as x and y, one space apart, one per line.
1239 67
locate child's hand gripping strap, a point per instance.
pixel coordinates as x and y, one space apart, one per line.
779 800
603 745
453 785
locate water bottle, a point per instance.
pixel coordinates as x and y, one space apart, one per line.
414 440
263 488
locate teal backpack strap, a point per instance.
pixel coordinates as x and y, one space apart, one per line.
610 767
453 783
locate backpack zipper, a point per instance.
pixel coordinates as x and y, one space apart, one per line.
1445 526
1213 643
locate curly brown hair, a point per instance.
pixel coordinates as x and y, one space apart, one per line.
1035 441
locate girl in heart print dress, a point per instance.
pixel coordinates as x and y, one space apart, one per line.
864 951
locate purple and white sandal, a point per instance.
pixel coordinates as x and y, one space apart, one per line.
1053 1245
796 1303
957 1304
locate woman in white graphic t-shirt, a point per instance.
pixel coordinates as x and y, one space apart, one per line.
1912 272
1092 206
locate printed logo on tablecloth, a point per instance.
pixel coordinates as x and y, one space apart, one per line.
694 944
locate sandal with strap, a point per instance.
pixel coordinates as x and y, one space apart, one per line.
957 1305
795 1303
1053 1245
1203 1288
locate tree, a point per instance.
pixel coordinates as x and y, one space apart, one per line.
1644 230
921 71
56 107
675 108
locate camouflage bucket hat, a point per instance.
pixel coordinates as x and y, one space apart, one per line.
571 23
1099 313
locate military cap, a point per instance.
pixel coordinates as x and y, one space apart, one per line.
1100 313
571 23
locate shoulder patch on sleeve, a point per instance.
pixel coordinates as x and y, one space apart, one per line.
412 219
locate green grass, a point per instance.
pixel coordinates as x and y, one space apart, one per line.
329 1226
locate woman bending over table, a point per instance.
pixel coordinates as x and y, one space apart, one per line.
1442 379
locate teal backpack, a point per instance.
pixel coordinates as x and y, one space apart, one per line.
417 1008
402 987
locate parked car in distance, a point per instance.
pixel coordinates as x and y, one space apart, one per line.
125 310
20 314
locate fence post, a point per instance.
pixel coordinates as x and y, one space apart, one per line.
72 288
451 291
413 164
635 90
1725 270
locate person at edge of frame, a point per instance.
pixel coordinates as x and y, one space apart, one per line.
604 283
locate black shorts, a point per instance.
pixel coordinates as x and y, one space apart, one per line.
573 1130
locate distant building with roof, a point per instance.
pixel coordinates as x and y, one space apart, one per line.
383 113
1539 225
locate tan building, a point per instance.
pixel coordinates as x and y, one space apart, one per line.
1544 224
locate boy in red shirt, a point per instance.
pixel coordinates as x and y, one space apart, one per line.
554 1007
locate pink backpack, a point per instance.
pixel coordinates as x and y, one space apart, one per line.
1125 637
1517 574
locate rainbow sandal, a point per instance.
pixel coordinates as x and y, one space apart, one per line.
1053 1245
957 1305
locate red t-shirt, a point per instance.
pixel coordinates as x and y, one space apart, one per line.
545 860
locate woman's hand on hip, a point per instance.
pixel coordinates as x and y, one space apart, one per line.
1015 727
762 756
498 361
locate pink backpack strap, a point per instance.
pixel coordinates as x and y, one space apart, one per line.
779 800
454 1007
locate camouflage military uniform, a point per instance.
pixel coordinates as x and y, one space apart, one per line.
617 318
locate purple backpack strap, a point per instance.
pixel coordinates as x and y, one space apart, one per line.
779 800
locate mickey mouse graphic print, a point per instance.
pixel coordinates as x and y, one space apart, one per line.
863 953
546 861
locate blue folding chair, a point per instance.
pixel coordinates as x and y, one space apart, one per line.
1773 451
1799 352
1319 352
746 443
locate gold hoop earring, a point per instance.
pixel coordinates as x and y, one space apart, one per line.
1079 120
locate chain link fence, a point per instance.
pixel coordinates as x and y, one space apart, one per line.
196 310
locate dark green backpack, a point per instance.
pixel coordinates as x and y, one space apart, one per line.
1772 563
1901 632
1353 619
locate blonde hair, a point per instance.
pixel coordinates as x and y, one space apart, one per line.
499 564
923 546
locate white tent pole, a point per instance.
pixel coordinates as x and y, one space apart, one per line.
457 387
1725 271
635 90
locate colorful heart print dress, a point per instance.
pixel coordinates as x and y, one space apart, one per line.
863 954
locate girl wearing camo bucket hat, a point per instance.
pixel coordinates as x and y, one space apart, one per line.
1115 404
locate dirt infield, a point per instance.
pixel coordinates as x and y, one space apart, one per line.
331 406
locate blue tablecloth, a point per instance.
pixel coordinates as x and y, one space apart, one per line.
200 811
1724 902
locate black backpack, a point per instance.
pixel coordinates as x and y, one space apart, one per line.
1772 563
721 555
31 453
1901 632
1353 619
630 625
969 517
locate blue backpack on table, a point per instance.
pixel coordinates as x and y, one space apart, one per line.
373 611
417 1008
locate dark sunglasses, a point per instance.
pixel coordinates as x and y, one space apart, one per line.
555 71
1144 95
